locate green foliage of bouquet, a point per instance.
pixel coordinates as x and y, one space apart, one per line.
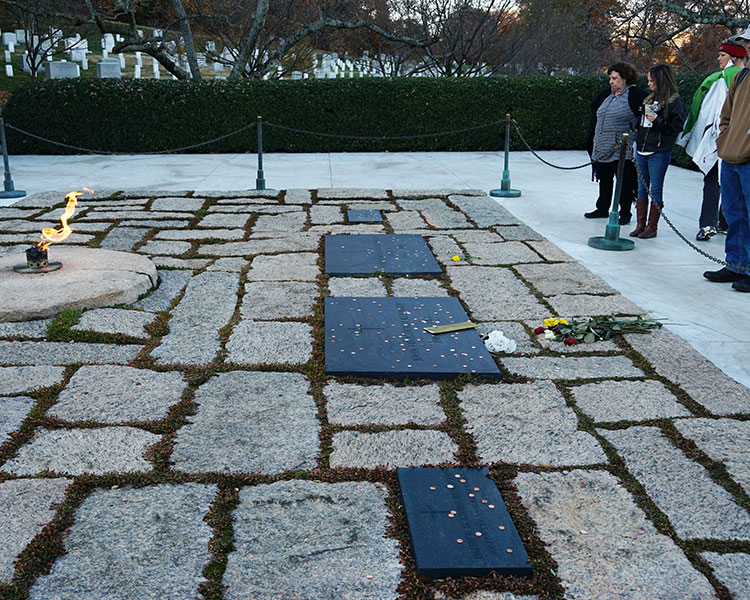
591 329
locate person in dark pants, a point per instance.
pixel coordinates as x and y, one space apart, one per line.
611 114
702 128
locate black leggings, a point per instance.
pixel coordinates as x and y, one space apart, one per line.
605 172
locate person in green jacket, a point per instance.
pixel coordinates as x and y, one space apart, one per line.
702 128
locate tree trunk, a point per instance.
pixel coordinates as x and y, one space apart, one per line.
187 34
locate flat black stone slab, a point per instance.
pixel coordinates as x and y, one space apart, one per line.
385 337
480 536
364 216
397 254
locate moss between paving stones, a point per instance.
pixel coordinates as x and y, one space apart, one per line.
38 557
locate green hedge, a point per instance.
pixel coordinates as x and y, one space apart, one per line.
137 115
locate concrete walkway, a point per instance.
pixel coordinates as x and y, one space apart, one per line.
663 275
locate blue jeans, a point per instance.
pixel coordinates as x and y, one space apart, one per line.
735 202
652 169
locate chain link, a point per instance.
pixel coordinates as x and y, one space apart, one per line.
679 234
109 153
525 143
381 137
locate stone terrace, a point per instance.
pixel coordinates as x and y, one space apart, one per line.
190 445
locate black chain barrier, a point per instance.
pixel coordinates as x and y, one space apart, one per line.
382 137
679 234
525 143
109 153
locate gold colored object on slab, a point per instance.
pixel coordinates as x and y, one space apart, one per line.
451 327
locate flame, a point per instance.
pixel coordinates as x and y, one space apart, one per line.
51 235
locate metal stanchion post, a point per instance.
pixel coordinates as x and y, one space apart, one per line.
9 191
505 190
260 180
611 239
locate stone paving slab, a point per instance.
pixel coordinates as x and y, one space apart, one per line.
150 542
387 404
345 194
31 329
572 367
19 380
13 411
366 287
584 305
78 451
123 238
301 266
137 215
680 363
603 544
407 219
317 541
551 252
446 249
115 320
267 300
231 265
484 211
502 253
27 505
513 330
519 233
495 294
724 440
405 448
476 236
202 234
168 248
733 570
285 222
168 262
696 506
323 215
260 342
209 302
628 401
171 284
223 220
417 288
116 394
250 422
569 278
526 424
62 353
179 204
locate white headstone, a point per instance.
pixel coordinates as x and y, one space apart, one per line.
11 47
305 75
7 56
25 62
9 70
138 59
108 68
217 66
77 54
62 70
9 37
157 33
201 58
85 63
105 54
137 72
118 37
109 42
121 56
296 75
210 46
20 36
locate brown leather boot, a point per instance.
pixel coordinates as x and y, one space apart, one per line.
641 210
653 220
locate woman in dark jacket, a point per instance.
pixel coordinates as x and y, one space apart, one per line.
611 115
661 121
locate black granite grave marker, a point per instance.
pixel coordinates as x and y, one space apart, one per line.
397 254
459 525
385 337
364 216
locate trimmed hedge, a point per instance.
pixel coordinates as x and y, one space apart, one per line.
138 115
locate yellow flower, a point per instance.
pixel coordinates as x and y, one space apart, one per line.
563 321
456 258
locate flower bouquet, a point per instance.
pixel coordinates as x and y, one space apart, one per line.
591 329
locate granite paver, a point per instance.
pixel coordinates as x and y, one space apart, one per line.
63 353
116 394
724 440
628 401
733 570
267 300
604 546
150 542
501 253
318 541
115 320
30 329
572 367
367 287
171 284
350 404
17 380
300 266
696 506
13 411
403 448
27 505
527 424
258 342
237 426
78 451
209 302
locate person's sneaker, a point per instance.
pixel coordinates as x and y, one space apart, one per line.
705 233
723 275
596 214
742 285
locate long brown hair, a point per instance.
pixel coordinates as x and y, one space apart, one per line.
665 84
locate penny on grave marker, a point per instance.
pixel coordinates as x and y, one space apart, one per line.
455 533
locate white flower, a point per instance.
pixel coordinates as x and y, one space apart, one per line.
497 342
549 334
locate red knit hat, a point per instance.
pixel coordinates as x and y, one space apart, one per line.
733 50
